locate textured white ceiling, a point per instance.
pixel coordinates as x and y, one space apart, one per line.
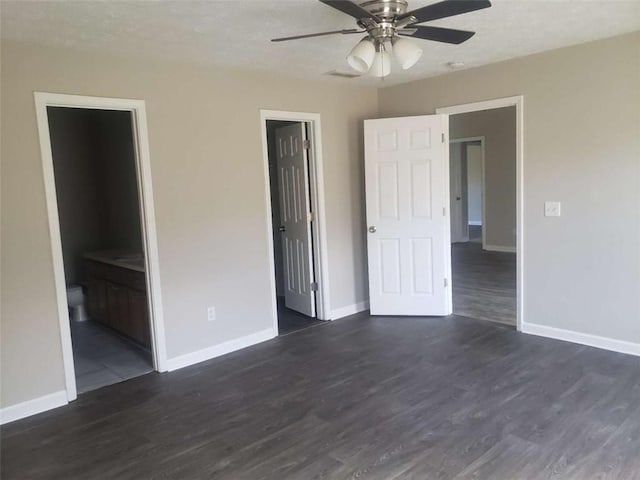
237 32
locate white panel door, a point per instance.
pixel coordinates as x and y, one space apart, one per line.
474 183
459 227
408 247
295 216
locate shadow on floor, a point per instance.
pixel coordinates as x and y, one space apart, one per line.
291 321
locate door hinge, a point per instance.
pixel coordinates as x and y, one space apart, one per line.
443 138
444 211
446 282
310 217
306 144
314 286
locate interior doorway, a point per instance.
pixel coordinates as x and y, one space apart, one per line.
466 175
486 216
100 227
99 201
295 217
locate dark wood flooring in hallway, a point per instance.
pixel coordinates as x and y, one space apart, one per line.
484 283
368 398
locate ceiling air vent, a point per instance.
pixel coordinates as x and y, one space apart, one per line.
339 73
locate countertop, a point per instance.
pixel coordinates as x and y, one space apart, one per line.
129 260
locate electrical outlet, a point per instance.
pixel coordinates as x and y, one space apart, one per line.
211 314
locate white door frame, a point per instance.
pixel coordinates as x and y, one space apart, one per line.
316 180
480 139
518 102
145 193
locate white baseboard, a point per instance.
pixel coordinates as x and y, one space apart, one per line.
605 343
499 248
31 407
218 350
349 310
475 223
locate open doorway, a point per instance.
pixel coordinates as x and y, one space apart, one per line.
466 175
483 201
102 245
292 220
293 176
99 200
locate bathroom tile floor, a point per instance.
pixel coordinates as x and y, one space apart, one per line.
102 357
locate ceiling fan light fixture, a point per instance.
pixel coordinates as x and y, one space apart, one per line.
406 52
381 64
362 56
384 20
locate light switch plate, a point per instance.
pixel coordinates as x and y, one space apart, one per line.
551 209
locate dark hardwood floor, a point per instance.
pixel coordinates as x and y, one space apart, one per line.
292 321
484 283
359 398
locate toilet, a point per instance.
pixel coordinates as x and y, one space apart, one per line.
75 300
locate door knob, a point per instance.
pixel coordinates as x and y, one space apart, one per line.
372 229
281 228
458 198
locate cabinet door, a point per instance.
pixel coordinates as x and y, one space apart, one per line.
118 307
97 300
139 317
92 299
103 306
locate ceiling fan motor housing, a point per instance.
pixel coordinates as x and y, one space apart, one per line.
385 9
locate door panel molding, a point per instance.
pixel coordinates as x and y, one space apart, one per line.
407 199
292 172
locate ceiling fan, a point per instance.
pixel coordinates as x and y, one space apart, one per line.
386 21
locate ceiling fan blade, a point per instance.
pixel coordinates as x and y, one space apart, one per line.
447 8
437 34
350 8
309 35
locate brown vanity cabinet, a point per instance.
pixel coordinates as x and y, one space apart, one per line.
117 298
97 299
139 317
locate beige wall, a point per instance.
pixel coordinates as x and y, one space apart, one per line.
206 154
581 147
498 126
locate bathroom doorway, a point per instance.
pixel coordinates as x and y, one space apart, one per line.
103 239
